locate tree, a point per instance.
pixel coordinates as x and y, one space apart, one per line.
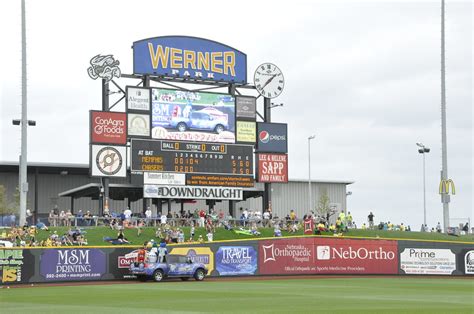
7 208
323 204
3 201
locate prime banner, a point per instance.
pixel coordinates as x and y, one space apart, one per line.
189 57
433 258
192 116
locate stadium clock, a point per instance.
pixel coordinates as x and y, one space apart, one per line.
268 80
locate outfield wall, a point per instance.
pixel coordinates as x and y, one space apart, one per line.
271 256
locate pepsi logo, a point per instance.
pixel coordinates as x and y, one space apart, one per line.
264 137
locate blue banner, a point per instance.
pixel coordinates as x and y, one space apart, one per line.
236 260
189 57
272 137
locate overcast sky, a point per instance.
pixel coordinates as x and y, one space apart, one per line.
364 76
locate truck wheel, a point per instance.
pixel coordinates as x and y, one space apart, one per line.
199 274
158 275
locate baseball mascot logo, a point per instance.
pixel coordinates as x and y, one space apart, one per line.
469 262
264 137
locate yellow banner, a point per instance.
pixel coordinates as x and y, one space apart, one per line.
202 255
246 131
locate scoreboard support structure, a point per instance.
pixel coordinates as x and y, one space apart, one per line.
105 181
267 193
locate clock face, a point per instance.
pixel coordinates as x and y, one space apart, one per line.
269 80
109 161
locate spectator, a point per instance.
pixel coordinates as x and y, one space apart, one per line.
163 219
148 216
52 218
127 213
371 220
438 228
88 218
202 218
62 218
349 220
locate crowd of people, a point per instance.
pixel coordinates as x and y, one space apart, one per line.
26 236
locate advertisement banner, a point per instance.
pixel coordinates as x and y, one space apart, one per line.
72 264
192 192
236 260
138 98
202 255
272 168
189 57
164 178
468 258
220 180
138 125
328 256
108 161
246 107
192 116
427 261
16 266
246 132
272 137
108 127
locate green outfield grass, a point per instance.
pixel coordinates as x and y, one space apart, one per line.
335 295
95 235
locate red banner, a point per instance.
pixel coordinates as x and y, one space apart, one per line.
273 168
328 256
108 127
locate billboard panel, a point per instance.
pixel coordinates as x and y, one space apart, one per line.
186 157
427 261
72 264
192 192
236 260
246 132
108 127
246 107
328 256
220 180
16 266
272 137
189 57
164 178
138 125
192 116
108 161
202 255
138 98
272 168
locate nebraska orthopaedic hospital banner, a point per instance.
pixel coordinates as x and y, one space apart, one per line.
328 256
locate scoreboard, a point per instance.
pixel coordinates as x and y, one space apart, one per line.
191 157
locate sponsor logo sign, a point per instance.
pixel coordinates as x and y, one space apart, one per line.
138 124
272 168
192 192
108 127
11 262
272 137
108 161
164 178
246 131
72 264
469 262
138 98
425 261
203 255
328 256
246 107
236 260
189 57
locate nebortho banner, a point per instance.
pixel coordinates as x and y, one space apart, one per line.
192 192
189 57
328 256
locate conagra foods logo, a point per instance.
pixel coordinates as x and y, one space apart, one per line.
299 253
325 252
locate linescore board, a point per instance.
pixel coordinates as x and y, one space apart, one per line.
191 157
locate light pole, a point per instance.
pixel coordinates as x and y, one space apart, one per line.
423 150
309 171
